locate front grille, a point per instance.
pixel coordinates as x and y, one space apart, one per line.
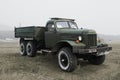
90 40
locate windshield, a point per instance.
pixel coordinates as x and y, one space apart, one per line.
66 25
73 25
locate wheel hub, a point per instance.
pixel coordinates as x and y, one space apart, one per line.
64 60
29 49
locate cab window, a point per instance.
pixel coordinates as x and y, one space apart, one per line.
50 27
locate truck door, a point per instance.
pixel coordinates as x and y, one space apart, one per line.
51 36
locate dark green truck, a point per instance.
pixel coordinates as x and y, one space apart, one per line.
62 37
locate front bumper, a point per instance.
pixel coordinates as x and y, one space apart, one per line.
93 51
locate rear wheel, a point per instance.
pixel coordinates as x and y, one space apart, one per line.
31 49
23 48
66 60
96 60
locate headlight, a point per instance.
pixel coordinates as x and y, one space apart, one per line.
80 38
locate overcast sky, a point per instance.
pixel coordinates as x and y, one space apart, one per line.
100 15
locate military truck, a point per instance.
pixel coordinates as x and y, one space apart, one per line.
63 38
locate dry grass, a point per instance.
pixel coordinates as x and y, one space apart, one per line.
15 67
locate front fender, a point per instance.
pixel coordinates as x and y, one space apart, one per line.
74 44
66 43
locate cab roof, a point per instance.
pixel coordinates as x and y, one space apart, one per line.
62 19
52 20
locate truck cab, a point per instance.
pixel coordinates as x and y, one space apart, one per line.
63 38
66 32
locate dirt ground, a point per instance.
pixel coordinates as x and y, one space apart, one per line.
16 67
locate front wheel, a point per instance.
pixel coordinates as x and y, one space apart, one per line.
66 60
96 60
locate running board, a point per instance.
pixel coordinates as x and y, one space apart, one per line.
46 51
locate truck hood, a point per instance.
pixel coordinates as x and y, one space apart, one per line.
76 31
72 34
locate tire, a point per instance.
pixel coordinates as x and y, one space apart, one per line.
66 60
96 60
23 48
31 49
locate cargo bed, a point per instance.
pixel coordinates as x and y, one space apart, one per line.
35 32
